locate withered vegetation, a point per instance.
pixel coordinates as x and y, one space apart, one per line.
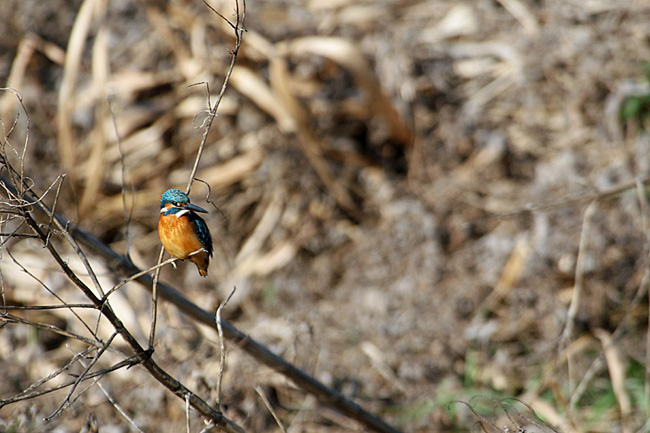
436 208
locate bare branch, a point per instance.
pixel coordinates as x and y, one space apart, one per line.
222 346
266 402
126 363
112 401
239 30
128 214
138 275
66 401
43 285
154 299
56 373
9 318
46 307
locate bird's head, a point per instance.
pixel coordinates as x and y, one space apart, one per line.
177 202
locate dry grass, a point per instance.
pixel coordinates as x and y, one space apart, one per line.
419 202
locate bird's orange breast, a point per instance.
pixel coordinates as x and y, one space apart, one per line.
177 236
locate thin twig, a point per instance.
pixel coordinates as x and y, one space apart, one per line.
644 288
238 27
558 204
128 215
66 401
187 414
51 292
12 192
138 275
46 307
154 300
18 235
222 346
126 363
270 408
56 201
17 202
9 318
578 285
114 403
55 373
17 177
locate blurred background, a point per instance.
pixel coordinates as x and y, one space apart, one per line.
397 190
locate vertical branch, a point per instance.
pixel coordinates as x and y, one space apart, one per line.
187 414
579 275
222 346
239 29
127 215
17 177
154 300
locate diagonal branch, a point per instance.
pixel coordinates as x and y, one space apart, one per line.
124 267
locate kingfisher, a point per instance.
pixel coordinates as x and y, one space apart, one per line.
182 232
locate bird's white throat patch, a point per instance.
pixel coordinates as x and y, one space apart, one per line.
178 214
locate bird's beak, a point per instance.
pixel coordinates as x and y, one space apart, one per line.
195 208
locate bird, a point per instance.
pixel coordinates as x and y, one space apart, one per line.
183 233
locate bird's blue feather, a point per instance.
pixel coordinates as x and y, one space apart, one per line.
174 196
202 231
